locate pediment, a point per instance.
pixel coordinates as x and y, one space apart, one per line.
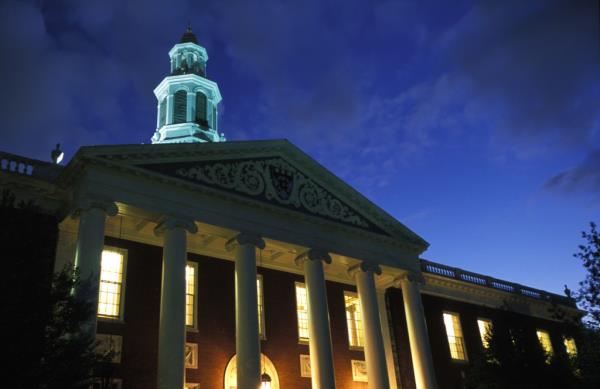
275 173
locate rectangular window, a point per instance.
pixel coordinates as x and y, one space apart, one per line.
261 307
485 328
455 336
544 338
191 278
108 344
570 347
354 320
302 311
110 294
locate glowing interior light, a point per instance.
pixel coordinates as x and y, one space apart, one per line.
544 338
455 337
485 328
111 283
570 347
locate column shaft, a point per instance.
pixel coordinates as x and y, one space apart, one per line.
417 335
88 256
169 109
321 354
171 339
374 350
247 339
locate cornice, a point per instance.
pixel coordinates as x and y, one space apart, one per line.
482 295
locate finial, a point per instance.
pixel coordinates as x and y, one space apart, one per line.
189 27
57 154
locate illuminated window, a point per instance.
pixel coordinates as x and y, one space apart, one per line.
570 346
302 311
485 328
261 307
354 320
110 296
544 338
191 276
455 337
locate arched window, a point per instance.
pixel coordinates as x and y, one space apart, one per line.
162 113
180 107
201 108
267 367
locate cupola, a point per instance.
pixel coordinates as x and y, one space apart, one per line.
187 99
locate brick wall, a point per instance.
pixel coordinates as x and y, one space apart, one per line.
450 373
215 334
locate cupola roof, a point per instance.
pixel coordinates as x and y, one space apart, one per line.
188 36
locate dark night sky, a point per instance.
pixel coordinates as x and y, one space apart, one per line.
477 124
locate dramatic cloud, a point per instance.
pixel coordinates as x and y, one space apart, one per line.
584 177
370 87
536 64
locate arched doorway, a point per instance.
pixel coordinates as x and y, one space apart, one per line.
267 366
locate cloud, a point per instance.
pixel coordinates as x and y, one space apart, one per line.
584 177
534 66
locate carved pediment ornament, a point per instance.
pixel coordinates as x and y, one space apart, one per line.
275 181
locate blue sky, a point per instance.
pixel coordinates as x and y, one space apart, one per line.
476 124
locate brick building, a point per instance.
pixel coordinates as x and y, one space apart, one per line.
236 264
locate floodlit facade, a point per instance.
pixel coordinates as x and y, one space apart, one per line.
226 264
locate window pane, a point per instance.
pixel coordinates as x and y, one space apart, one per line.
485 327
302 311
570 347
261 312
190 294
111 279
354 320
544 338
455 337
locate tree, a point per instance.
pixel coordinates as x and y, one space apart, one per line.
588 295
41 326
514 359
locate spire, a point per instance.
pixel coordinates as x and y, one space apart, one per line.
188 36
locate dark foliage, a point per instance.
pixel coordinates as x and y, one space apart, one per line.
588 295
515 359
42 322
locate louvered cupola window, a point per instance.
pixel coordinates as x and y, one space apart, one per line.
180 107
162 113
201 108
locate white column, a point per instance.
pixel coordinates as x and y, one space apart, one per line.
169 109
420 349
88 252
158 116
171 335
191 107
247 338
374 350
319 333
387 340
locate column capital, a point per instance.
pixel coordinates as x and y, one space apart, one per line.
313 255
410 277
364 266
85 204
170 222
245 238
